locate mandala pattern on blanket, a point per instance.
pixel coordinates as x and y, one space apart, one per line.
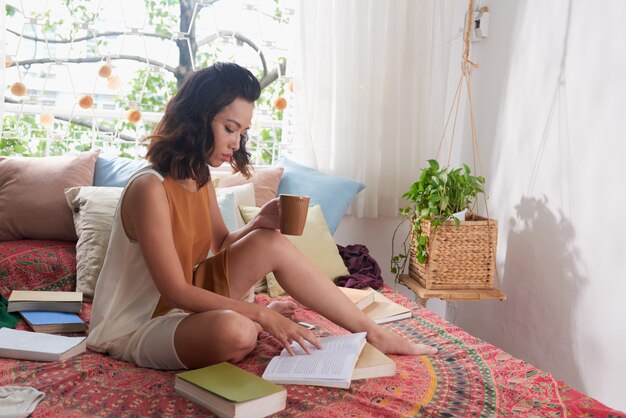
37 265
468 377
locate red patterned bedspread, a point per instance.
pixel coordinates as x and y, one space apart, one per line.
467 378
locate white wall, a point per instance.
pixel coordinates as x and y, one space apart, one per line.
550 104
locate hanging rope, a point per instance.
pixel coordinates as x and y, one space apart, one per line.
466 66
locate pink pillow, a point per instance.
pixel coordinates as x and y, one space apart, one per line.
32 195
265 180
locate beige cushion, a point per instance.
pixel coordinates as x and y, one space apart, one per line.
32 200
265 180
94 210
244 196
316 243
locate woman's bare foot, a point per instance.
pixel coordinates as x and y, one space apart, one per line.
284 307
390 343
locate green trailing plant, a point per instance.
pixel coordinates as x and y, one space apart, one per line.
439 193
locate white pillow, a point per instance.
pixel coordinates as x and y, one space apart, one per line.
244 196
93 209
228 207
316 243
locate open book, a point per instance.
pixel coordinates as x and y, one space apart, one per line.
331 366
381 309
373 363
360 297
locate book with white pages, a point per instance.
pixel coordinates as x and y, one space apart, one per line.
331 366
373 363
45 300
384 310
38 346
360 297
381 309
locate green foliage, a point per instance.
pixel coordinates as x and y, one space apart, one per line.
439 193
270 138
149 91
159 16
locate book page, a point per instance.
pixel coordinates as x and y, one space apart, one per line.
319 365
344 343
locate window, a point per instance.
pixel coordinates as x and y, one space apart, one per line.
95 64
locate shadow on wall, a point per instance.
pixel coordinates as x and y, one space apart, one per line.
543 278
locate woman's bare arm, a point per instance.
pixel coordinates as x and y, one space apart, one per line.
146 219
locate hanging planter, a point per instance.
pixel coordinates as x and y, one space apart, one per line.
447 252
458 256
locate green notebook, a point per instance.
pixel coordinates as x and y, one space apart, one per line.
230 382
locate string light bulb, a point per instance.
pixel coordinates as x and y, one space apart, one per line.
46 119
85 101
133 116
18 89
280 103
105 70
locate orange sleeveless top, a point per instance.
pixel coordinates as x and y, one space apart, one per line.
191 228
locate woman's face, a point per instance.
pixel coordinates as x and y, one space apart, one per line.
229 126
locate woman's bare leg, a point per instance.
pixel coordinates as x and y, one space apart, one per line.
197 346
265 250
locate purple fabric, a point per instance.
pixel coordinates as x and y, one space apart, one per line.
364 270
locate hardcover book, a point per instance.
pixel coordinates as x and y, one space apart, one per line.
40 300
228 391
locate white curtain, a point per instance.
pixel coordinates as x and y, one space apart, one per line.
371 80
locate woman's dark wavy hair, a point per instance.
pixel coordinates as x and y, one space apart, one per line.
183 139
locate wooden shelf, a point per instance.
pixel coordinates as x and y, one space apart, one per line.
449 294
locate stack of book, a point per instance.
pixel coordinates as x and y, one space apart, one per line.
49 311
46 313
378 307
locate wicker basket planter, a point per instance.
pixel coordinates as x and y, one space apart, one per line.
458 258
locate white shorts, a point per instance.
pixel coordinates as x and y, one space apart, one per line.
152 345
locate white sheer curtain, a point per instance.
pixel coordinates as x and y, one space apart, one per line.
371 78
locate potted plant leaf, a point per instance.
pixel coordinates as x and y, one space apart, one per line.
446 250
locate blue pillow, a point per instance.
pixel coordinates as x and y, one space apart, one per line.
333 193
112 171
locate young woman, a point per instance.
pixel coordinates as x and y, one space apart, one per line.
159 302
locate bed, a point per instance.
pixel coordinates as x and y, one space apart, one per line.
468 377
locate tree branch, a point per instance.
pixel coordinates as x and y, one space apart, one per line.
86 38
98 59
242 39
270 77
